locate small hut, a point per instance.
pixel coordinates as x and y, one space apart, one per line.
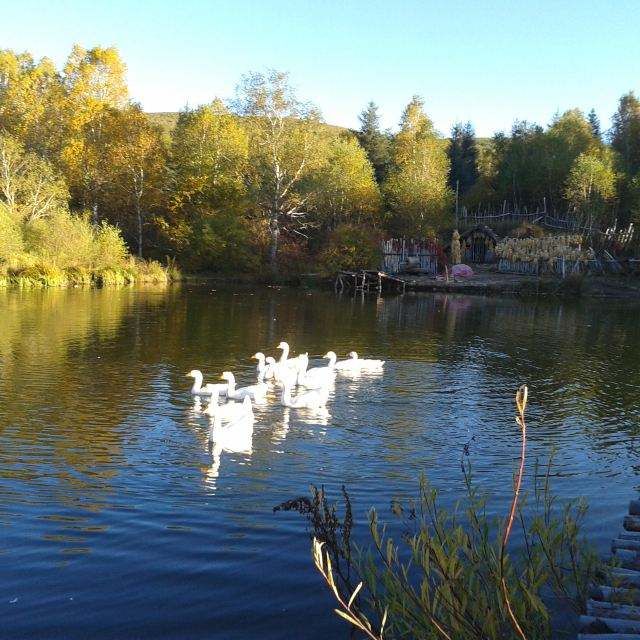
479 244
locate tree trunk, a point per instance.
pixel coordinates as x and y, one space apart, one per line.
273 248
94 208
139 216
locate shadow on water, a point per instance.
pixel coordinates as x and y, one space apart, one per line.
119 520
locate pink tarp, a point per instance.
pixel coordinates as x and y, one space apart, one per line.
461 271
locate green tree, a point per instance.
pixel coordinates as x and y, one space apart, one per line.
520 165
463 156
591 186
416 189
28 92
30 189
374 141
568 136
209 152
136 157
286 140
594 123
94 85
625 139
208 171
625 133
345 189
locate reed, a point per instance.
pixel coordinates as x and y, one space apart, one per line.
452 574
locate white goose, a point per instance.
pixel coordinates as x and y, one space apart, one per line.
270 368
325 371
285 360
286 368
207 390
284 356
230 412
257 392
354 363
316 378
264 371
306 400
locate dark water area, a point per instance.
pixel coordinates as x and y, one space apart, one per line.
117 521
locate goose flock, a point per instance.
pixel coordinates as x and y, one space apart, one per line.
230 408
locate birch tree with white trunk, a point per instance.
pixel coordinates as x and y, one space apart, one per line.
286 146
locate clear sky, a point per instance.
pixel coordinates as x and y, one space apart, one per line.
488 62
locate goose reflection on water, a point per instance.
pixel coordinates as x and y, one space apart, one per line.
233 438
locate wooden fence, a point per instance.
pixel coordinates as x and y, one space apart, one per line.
400 254
541 217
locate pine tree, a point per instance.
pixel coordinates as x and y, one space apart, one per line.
374 141
594 121
463 155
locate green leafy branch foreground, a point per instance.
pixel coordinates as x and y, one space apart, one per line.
451 575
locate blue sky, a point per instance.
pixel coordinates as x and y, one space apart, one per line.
488 62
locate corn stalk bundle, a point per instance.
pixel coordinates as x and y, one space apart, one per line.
547 249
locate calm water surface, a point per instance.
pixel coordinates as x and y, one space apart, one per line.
117 522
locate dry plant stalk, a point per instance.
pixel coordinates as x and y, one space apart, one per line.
521 405
359 620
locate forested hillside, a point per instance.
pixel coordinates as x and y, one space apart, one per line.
260 182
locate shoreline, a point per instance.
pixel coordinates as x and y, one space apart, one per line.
484 283
511 284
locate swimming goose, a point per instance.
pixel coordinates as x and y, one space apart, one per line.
257 392
198 390
270 368
306 400
322 371
285 360
354 363
261 366
316 378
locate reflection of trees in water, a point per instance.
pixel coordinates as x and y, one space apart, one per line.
581 356
69 376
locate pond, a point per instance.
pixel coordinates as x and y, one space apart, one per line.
118 522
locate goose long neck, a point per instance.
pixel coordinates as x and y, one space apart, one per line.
285 352
332 360
231 384
197 382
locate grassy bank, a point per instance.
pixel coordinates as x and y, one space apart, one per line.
41 275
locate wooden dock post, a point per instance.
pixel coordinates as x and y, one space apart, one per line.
613 612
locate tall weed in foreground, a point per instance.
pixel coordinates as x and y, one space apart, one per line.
451 574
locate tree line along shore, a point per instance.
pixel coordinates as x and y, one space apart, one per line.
95 190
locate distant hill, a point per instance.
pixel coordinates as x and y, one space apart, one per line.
167 121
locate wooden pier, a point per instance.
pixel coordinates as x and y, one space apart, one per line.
613 610
366 281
